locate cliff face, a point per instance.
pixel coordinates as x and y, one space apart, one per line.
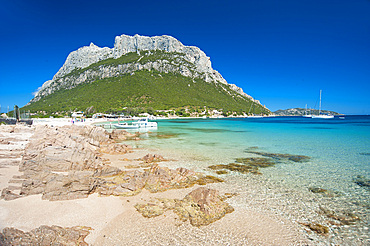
188 61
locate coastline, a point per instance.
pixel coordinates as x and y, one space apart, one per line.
113 218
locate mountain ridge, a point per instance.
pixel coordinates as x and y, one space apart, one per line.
87 55
130 54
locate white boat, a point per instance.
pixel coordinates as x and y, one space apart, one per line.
125 125
322 116
307 115
141 123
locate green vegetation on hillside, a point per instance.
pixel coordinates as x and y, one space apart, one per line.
141 91
302 111
150 90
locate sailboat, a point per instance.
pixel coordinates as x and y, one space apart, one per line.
307 115
322 116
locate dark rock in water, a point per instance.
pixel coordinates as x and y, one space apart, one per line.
244 165
324 192
233 167
298 158
344 217
317 190
362 181
201 207
256 162
208 179
316 227
295 158
219 172
45 235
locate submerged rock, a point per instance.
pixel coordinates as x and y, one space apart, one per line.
318 228
45 235
362 181
344 217
294 158
244 165
219 172
201 207
233 167
324 192
317 190
256 162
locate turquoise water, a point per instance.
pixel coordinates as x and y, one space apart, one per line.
339 150
345 141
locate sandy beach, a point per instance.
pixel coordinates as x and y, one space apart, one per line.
114 220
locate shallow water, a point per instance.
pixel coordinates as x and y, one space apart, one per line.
339 150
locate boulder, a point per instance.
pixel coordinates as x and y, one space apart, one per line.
45 235
201 207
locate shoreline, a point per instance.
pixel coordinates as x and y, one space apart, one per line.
264 226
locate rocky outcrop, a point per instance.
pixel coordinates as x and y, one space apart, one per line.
64 163
149 158
193 63
201 207
45 235
13 140
85 56
154 179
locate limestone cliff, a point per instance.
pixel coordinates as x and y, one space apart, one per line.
188 61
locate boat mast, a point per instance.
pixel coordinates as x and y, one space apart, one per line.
305 112
320 103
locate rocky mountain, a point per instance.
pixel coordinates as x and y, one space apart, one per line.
158 56
302 111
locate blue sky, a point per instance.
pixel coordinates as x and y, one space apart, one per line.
281 52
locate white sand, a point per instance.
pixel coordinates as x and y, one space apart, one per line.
116 222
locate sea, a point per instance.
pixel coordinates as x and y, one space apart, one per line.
330 186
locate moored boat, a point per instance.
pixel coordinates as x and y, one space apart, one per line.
141 123
322 116
307 115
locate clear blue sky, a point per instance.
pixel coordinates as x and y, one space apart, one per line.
282 52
